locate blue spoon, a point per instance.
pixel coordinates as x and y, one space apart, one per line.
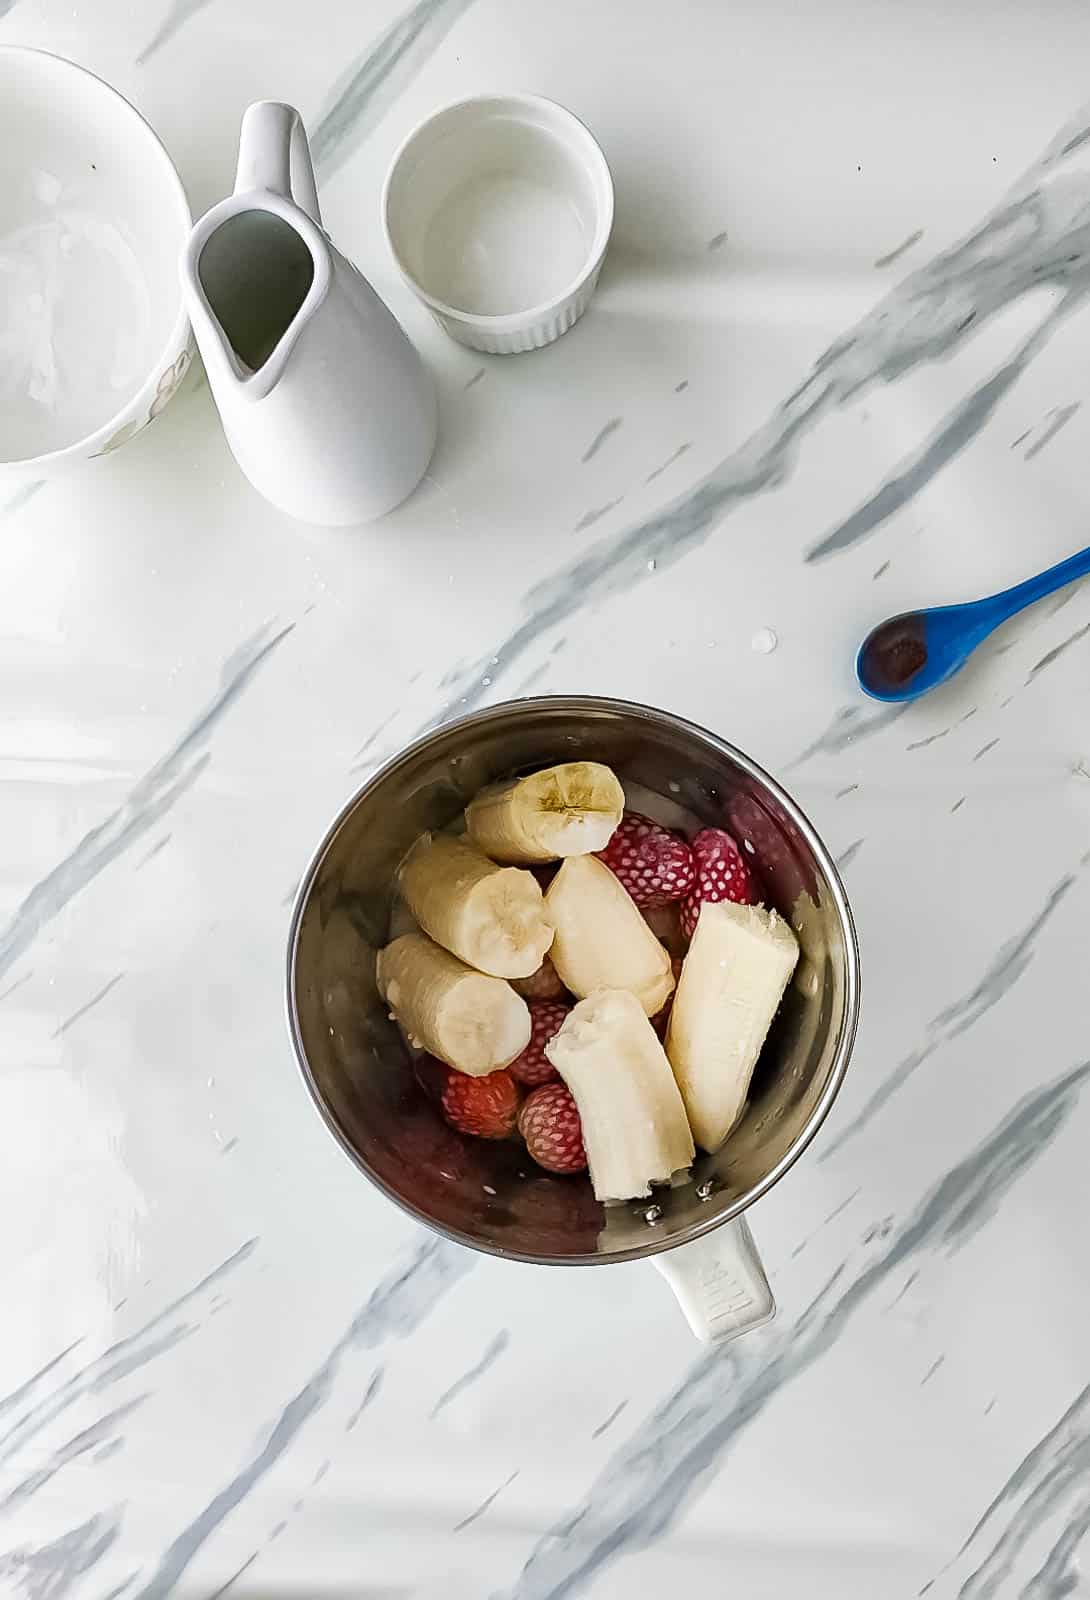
909 654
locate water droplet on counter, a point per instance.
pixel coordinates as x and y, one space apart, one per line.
652 1215
652 564
674 787
764 641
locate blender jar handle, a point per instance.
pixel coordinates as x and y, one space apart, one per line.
720 1283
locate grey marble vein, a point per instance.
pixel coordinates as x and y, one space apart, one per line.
880 571
1057 651
846 728
12 1401
654 1475
957 805
983 751
596 513
848 855
374 1385
89 1005
397 1306
604 1427
48 1571
147 802
848 789
484 1505
472 383
18 984
160 844
1058 418
1000 975
121 1358
1056 1470
680 388
682 449
490 1355
235 1576
80 1444
360 756
931 1371
179 12
957 429
932 738
1038 235
1065 597
899 250
374 81
26 492
600 438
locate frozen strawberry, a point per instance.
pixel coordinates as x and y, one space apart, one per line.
721 874
531 1067
549 1122
654 865
544 984
485 1107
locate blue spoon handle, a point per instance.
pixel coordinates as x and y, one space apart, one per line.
1009 601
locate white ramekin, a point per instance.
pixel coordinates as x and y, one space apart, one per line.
498 212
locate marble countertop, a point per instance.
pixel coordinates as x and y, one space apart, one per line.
836 367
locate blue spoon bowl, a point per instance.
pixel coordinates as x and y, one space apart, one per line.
905 656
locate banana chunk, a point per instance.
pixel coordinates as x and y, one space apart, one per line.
738 966
474 1023
634 1127
567 810
601 940
492 918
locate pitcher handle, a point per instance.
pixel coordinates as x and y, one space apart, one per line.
720 1283
273 153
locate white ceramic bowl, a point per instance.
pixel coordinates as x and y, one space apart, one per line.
94 339
498 211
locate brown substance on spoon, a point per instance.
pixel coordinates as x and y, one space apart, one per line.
894 654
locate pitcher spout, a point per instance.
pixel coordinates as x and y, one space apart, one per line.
256 271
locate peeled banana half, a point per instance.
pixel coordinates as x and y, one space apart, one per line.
474 1023
601 940
492 918
566 810
739 963
634 1127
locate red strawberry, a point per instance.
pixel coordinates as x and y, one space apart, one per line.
544 984
486 1107
654 865
721 874
533 1067
549 1122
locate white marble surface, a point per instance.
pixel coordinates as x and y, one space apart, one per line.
259 1374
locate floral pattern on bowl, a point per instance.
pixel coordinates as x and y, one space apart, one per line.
165 390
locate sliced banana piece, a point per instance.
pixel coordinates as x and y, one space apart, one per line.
563 811
492 917
601 940
738 966
634 1126
474 1023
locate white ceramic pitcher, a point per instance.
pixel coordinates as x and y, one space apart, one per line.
329 410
